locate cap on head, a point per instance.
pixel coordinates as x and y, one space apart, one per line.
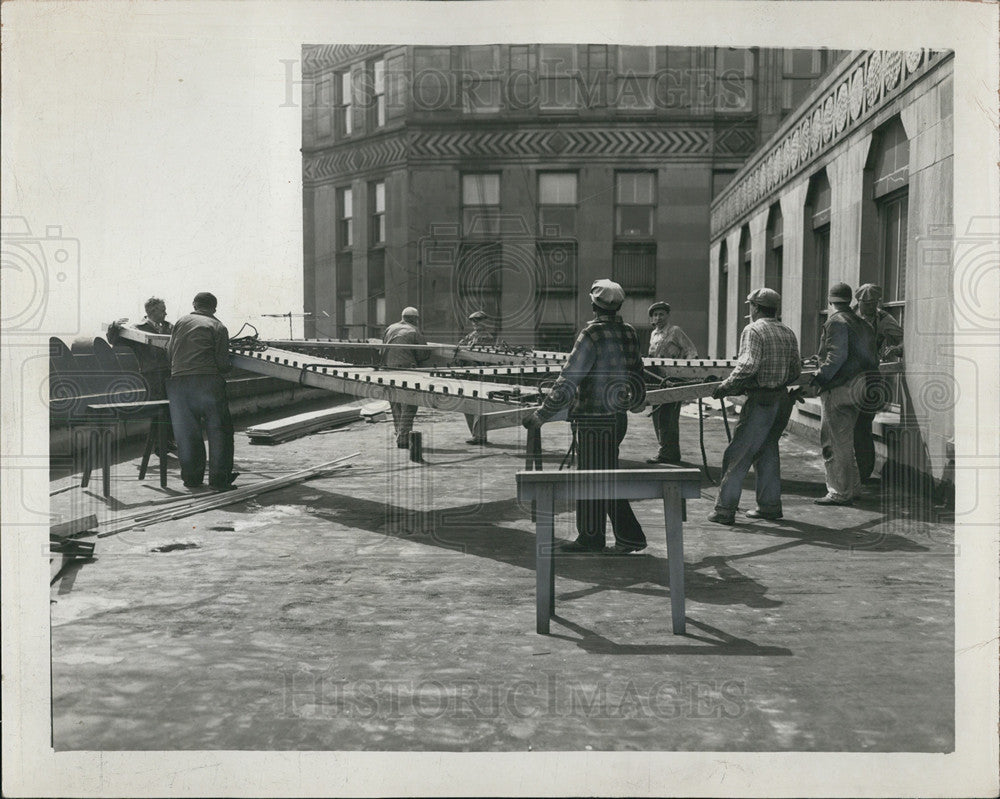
477 316
765 298
869 292
841 292
607 294
409 312
659 306
205 299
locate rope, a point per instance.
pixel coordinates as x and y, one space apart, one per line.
251 342
725 418
701 440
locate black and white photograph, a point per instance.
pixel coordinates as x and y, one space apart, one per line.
500 398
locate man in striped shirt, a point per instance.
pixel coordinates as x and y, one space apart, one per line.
768 361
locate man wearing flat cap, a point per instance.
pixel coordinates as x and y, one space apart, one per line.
667 341
846 352
405 331
602 379
199 405
479 336
767 363
888 343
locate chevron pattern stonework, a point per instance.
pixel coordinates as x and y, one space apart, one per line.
578 142
515 145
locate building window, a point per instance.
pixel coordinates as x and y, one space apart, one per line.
559 90
636 84
377 109
720 331
396 85
598 74
635 202
634 268
480 269
800 69
480 204
345 274
345 220
376 199
743 278
892 214
734 80
773 265
888 171
343 109
481 79
376 287
557 204
521 82
816 262
324 105
431 78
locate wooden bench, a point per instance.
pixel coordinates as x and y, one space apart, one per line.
544 488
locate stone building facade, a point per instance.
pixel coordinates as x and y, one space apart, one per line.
855 186
506 178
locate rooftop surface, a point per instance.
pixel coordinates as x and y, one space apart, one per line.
391 606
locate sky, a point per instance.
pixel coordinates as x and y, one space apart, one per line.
168 156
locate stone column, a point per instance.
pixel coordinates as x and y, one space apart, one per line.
735 302
758 249
846 176
792 251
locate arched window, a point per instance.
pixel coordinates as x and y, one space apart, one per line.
886 203
815 262
720 331
743 285
773 261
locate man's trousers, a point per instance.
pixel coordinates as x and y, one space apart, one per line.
597 442
836 435
762 420
667 425
199 406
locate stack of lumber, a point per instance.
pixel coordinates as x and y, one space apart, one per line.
199 503
64 548
302 424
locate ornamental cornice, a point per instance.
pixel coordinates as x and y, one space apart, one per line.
866 82
316 57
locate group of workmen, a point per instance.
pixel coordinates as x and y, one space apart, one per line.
190 374
603 378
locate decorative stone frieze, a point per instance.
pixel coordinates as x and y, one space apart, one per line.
866 82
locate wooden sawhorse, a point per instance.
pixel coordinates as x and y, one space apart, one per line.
158 412
672 485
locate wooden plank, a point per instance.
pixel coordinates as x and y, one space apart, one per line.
74 526
201 503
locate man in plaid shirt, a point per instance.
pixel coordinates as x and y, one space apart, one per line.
768 361
602 379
